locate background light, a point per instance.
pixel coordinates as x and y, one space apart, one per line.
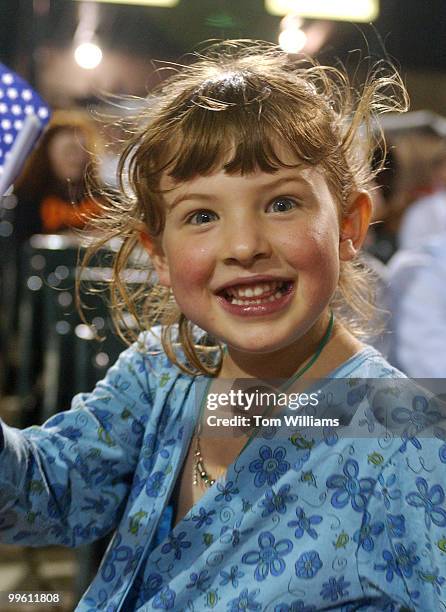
88 55
292 41
341 10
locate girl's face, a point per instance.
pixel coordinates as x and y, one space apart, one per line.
253 260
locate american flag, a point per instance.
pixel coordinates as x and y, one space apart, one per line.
23 115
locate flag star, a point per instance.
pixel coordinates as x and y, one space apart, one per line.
17 100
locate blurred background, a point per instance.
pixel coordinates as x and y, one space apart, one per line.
39 39
83 57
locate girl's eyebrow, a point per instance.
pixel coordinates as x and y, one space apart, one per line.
189 196
285 180
204 197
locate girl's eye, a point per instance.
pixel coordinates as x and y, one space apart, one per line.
281 204
201 217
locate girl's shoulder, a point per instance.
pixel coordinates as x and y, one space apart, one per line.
367 363
150 356
144 371
395 405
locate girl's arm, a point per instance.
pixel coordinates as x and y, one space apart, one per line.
67 482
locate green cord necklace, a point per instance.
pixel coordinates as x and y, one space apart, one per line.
199 471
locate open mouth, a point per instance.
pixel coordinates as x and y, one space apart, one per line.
259 293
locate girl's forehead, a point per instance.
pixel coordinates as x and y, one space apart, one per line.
291 165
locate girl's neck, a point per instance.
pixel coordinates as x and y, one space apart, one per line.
282 364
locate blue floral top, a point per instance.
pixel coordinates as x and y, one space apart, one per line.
297 524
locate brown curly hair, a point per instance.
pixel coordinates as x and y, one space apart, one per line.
227 109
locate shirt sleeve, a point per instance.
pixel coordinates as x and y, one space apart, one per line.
67 482
402 550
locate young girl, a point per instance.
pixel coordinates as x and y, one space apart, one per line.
247 184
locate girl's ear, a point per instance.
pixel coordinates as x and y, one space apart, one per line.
159 260
354 225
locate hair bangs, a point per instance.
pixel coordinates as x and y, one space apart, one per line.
230 140
241 140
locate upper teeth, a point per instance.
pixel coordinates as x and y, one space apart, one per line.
254 290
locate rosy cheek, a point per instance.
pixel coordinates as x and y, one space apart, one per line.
314 255
304 248
189 267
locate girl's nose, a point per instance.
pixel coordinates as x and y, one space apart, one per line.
245 243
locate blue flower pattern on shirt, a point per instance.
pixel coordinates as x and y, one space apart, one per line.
364 535
431 500
269 556
297 524
270 467
277 502
305 523
335 588
308 564
349 488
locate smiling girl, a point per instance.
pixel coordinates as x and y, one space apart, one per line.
247 184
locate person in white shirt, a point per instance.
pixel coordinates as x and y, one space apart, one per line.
425 218
417 302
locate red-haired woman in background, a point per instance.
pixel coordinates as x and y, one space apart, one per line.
52 191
